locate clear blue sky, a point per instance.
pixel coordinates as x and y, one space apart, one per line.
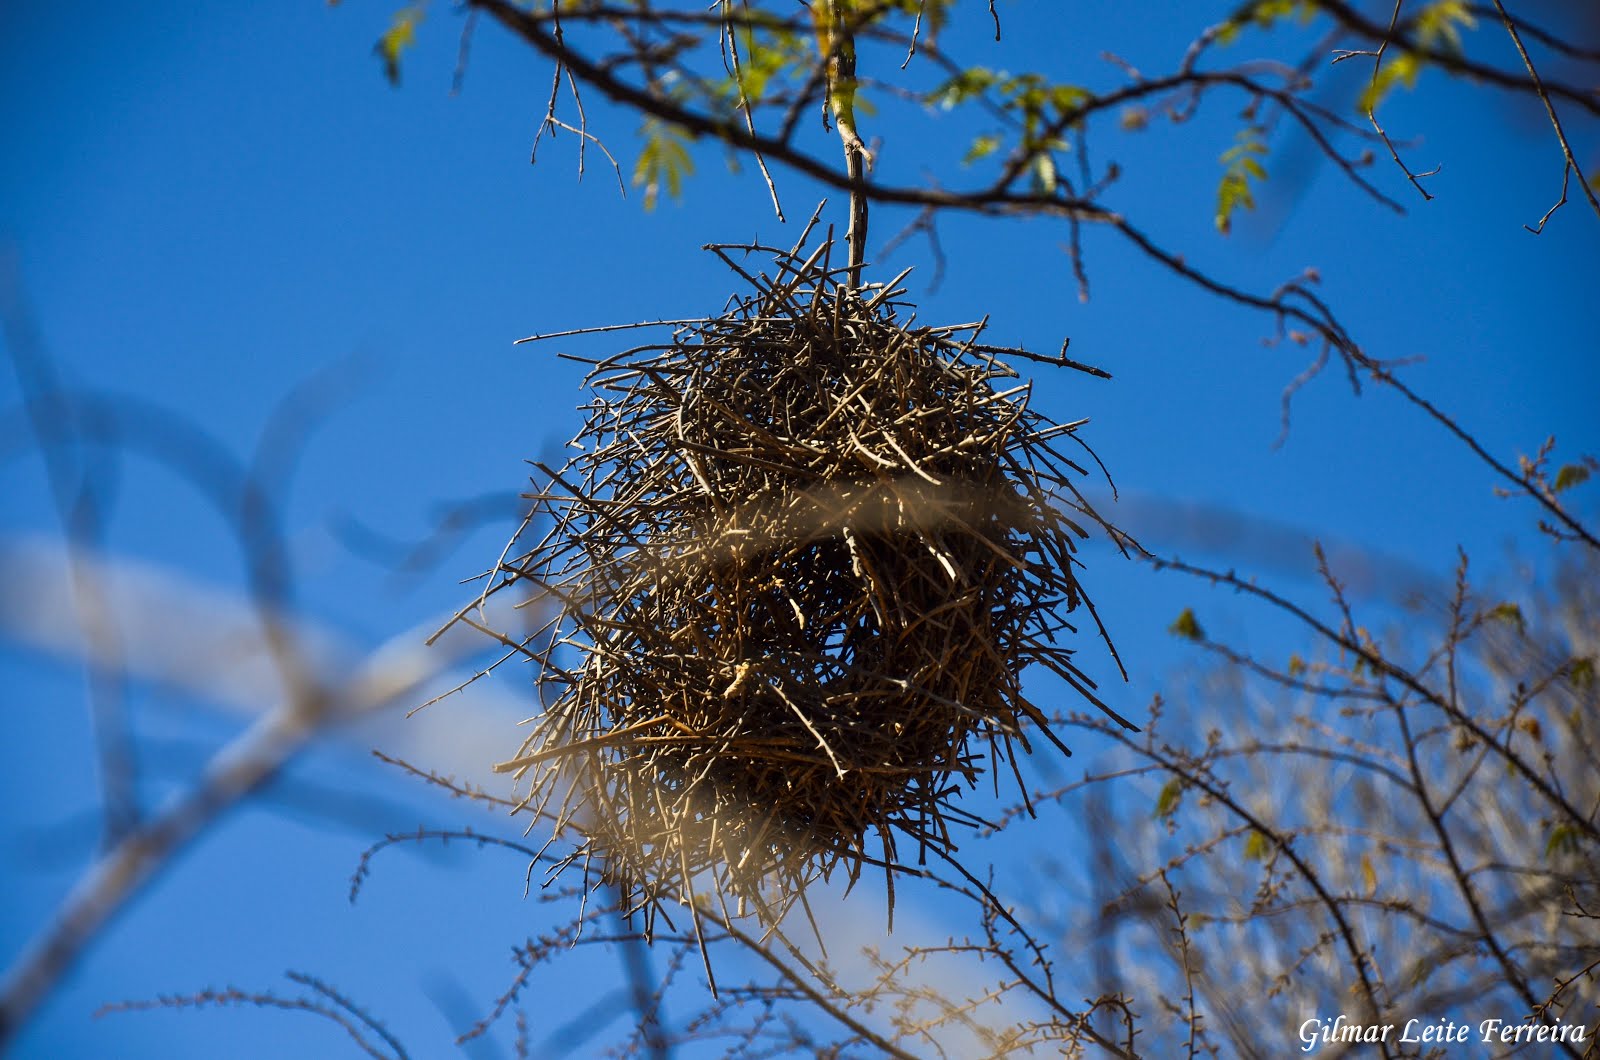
211 205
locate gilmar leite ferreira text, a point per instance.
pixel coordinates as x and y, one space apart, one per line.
1319 1031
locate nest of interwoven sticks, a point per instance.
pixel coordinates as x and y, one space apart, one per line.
796 576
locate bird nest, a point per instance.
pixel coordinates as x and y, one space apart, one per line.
791 586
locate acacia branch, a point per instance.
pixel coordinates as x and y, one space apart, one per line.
993 200
1323 324
1002 197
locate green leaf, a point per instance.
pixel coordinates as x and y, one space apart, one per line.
1402 69
1563 839
1510 614
1297 665
768 56
1232 192
1265 14
968 84
401 34
1257 847
1440 25
1241 164
1171 795
1185 626
982 147
1069 97
1269 11
1044 174
1571 475
1581 673
663 160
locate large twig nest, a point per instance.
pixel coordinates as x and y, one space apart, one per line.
796 576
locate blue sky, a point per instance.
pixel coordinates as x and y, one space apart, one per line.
210 206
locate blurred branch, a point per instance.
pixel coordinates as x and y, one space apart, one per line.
393 673
77 477
124 619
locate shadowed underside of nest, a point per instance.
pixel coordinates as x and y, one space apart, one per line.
795 577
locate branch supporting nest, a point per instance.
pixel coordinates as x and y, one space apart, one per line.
836 42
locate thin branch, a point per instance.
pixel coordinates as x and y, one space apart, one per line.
1555 123
1454 63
